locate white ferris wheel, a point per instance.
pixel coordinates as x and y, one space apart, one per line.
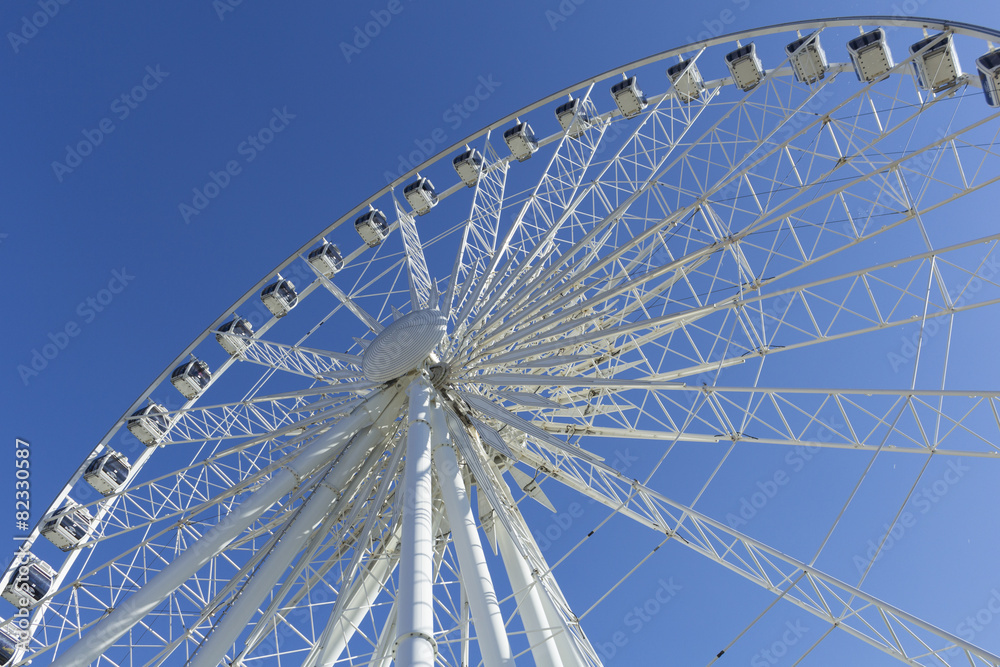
696 266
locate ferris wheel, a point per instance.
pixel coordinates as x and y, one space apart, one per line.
636 293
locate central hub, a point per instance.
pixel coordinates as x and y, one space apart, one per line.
404 345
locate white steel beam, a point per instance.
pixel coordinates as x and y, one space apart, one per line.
415 645
476 580
199 554
301 526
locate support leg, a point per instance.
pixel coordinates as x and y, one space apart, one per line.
212 542
490 631
263 580
415 600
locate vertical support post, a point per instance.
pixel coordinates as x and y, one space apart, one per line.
529 603
415 645
475 574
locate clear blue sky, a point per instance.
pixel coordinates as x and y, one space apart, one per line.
101 261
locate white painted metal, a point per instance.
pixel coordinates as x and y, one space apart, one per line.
415 645
280 558
476 579
329 446
420 281
532 611
363 596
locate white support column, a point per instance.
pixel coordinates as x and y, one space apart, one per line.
102 636
475 574
362 597
529 604
263 580
415 645
382 656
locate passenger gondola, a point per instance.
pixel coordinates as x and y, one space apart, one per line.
280 296
572 118
469 165
808 58
989 75
870 55
935 62
687 80
67 526
149 424
521 141
107 473
29 583
421 195
8 647
231 343
745 66
628 97
372 227
326 259
191 378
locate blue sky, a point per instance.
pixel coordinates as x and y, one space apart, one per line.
112 266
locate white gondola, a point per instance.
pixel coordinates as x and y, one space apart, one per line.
29 583
107 473
469 165
521 141
191 378
421 195
687 80
745 66
937 65
326 259
572 118
8 647
628 97
989 75
280 296
235 327
870 55
808 58
149 424
372 227
67 526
